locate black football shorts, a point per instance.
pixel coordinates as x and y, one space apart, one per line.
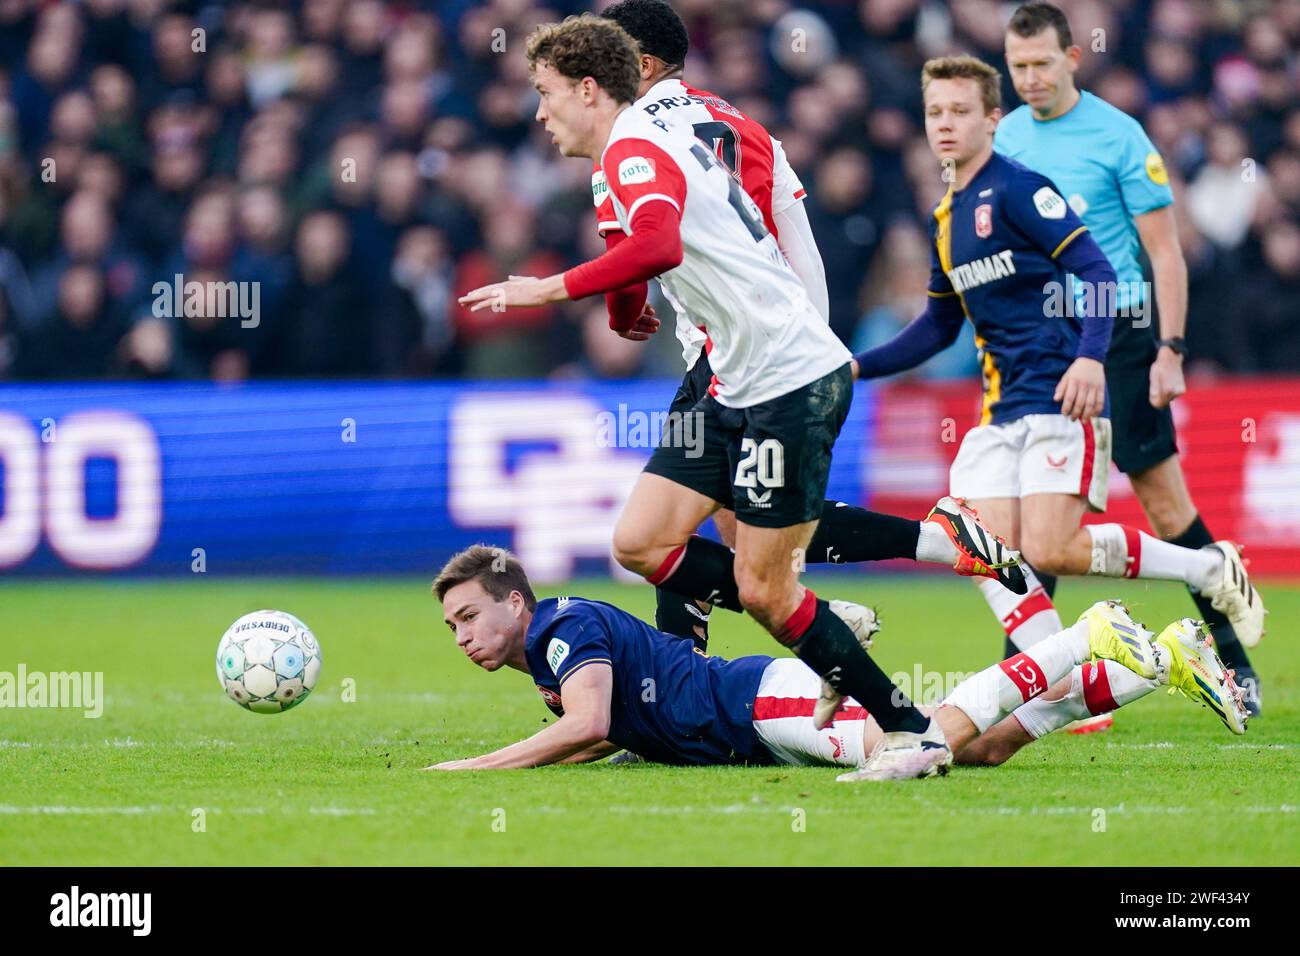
770 462
1141 436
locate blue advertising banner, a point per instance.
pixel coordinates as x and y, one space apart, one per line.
330 478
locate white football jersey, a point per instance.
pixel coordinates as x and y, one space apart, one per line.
743 144
768 338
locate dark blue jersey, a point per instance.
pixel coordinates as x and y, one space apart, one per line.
670 704
997 246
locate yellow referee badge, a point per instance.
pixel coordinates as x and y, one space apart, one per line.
1156 169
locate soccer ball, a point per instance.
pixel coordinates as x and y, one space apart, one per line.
268 661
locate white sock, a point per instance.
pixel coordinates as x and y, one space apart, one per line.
934 545
998 690
1098 687
1026 618
1119 551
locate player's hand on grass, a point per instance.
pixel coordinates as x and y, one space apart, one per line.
1166 378
1082 389
517 292
645 325
465 764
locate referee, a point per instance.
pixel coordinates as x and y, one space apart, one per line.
1113 178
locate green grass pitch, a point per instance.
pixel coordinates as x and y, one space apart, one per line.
336 782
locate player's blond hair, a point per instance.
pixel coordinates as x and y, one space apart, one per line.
966 68
588 45
497 571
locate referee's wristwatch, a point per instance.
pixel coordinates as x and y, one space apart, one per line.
1177 343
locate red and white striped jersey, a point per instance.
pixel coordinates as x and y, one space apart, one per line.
767 337
744 145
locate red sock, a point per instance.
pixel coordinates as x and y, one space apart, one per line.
800 620
665 570
1096 689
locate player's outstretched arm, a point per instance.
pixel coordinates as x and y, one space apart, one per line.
595 752
587 693
517 292
927 335
654 247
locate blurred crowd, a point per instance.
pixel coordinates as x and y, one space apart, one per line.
364 162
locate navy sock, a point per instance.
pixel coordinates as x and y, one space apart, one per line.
848 534
1225 638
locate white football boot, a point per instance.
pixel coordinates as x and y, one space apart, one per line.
905 756
1235 597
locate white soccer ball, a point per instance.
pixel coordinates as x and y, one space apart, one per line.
268 661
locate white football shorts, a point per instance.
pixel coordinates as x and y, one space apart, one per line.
1033 455
783 719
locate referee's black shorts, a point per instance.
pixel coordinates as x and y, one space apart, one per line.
1142 436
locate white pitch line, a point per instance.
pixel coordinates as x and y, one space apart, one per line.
813 809
1122 810
650 810
1189 745
202 742
59 810
1147 745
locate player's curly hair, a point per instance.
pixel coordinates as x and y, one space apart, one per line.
655 26
497 571
588 45
966 68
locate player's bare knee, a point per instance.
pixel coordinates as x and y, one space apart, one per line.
1043 555
754 598
632 551
765 601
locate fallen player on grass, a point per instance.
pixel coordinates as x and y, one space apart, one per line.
616 683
